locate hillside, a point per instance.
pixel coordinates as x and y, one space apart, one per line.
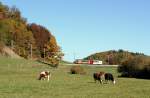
114 56
28 40
6 51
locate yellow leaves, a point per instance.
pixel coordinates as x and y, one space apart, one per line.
13 27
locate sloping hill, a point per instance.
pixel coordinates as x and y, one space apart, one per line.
6 51
114 56
17 32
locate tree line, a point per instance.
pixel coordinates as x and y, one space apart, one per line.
22 36
130 64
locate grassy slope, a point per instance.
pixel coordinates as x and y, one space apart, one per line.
18 79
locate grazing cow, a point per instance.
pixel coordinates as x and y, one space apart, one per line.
98 76
109 76
44 74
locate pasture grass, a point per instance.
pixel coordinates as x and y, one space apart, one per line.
18 79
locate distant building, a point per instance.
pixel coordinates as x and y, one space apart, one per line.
80 61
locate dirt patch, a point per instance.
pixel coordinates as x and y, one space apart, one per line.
6 51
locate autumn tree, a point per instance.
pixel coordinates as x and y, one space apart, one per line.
27 39
13 28
46 43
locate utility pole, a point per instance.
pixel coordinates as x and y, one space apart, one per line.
12 44
44 54
74 56
108 59
31 51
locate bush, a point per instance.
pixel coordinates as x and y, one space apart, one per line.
77 70
145 73
138 67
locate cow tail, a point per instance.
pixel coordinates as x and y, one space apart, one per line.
114 82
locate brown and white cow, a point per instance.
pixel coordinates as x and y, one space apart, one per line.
98 76
44 75
101 75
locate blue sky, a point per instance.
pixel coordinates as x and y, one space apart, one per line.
84 27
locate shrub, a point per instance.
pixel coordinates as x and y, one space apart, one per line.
138 67
77 70
145 73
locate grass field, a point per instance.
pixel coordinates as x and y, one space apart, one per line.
18 79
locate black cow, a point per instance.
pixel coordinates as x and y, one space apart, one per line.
109 77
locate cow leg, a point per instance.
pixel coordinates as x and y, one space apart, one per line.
101 81
114 82
39 78
48 78
43 78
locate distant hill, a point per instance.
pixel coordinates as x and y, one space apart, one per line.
114 56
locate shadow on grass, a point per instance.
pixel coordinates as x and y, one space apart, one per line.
146 77
98 82
46 63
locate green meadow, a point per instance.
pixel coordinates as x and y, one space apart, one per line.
18 79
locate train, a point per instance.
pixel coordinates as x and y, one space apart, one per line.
92 62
